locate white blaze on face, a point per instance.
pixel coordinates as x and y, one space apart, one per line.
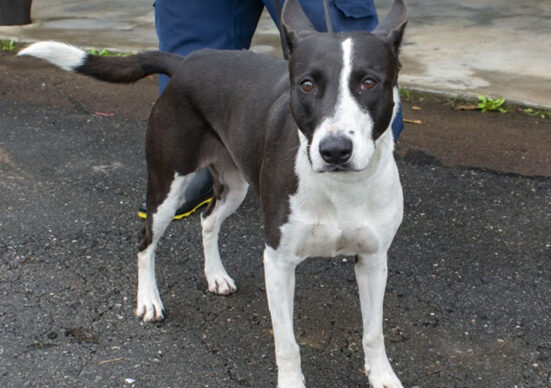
347 120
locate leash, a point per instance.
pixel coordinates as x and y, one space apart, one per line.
328 22
279 9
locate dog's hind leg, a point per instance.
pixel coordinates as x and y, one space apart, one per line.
178 142
230 189
149 304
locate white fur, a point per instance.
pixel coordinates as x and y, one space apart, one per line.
348 120
279 273
219 282
342 213
62 55
149 305
371 274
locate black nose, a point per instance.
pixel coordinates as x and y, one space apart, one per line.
336 149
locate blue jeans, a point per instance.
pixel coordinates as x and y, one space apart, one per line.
184 26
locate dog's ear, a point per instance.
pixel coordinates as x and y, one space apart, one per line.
295 24
391 29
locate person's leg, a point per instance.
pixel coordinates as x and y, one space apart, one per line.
346 15
398 123
185 26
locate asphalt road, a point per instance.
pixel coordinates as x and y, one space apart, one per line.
468 300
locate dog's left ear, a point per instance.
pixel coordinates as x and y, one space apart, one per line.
295 24
391 29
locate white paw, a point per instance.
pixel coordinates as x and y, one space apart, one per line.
149 307
221 283
382 376
295 380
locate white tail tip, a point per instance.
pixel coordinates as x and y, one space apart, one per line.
62 55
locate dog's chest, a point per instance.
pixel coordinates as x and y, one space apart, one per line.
342 214
323 233
338 218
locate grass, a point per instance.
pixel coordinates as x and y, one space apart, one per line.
410 95
542 114
405 94
107 53
7 45
487 104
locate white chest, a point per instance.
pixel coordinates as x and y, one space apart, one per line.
327 237
343 214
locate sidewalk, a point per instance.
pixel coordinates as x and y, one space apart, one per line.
497 48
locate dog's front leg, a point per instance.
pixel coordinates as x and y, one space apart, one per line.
279 273
371 275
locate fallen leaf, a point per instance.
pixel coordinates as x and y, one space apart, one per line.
410 121
415 107
109 361
103 114
465 107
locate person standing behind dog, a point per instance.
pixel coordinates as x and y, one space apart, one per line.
184 26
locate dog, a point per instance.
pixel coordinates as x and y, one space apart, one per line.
311 135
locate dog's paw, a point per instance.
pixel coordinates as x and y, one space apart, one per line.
382 377
149 307
221 284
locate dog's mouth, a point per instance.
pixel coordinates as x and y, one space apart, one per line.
344 167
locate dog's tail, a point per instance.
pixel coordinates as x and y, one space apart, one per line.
111 69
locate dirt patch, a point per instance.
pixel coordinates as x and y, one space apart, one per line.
33 81
513 142
509 142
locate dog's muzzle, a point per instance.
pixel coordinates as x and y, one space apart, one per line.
336 151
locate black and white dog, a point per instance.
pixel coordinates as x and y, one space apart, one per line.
312 137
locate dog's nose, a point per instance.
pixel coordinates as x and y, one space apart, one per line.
335 149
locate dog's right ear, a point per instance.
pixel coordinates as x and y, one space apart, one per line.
295 24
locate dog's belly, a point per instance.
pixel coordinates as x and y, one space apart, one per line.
323 238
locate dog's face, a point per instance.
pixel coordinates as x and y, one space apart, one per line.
342 87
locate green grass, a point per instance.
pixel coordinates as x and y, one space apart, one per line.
542 114
107 53
487 104
7 45
406 94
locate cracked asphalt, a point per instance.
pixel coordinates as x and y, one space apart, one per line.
468 300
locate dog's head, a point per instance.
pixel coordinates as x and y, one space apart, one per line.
343 87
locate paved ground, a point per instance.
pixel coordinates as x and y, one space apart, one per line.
469 293
497 48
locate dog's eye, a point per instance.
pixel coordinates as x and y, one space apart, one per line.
368 83
307 85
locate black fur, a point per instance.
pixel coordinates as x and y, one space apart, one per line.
131 68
